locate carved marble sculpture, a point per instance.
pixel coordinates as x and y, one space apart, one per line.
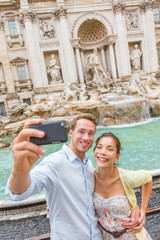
54 70
47 29
96 76
135 85
149 83
96 66
69 93
132 20
135 58
82 93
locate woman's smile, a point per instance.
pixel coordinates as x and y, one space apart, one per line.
102 159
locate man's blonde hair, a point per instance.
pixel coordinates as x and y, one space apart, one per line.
87 116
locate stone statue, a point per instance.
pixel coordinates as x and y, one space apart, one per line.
82 93
99 74
135 58
69 93
135 85
47 29
149 83
54 70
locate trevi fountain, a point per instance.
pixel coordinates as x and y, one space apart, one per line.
98 72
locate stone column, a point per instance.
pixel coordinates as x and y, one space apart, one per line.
122 43
103 58
67 50
83 61
151 36
79 65
27 18
146 47
112 58
6 61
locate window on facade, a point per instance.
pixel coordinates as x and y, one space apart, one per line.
12 27
27 100
2 109
21 72
156 13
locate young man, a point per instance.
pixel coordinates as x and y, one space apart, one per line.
66 175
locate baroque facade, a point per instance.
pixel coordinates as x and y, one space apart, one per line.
47 45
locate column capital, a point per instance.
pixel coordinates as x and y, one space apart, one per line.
27 15
146 5
75 43
1 24
101 47
118 7
60 12
111 40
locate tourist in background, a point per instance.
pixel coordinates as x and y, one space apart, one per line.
113 196
67 177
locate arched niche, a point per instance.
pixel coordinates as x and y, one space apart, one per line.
92 29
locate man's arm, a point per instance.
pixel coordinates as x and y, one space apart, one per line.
137 221
25 154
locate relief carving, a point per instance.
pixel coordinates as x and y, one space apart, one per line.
132 20
46 29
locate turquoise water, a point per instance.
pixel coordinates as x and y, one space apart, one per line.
140 143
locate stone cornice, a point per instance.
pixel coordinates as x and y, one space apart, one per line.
118 7
60 12
10 3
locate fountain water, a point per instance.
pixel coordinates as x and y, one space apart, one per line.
140 142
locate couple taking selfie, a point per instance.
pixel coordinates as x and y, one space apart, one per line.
84 203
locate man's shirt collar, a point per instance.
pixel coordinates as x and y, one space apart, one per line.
71 155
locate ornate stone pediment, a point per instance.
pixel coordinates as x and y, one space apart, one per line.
19 59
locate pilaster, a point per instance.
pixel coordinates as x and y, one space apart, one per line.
28 19
79 64
67 49
122 43
147 11
111 42
103 58
6 61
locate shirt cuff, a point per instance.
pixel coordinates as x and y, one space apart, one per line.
16 197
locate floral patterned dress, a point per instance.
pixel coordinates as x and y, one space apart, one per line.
112 213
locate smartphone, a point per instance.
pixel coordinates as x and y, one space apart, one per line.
55 132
